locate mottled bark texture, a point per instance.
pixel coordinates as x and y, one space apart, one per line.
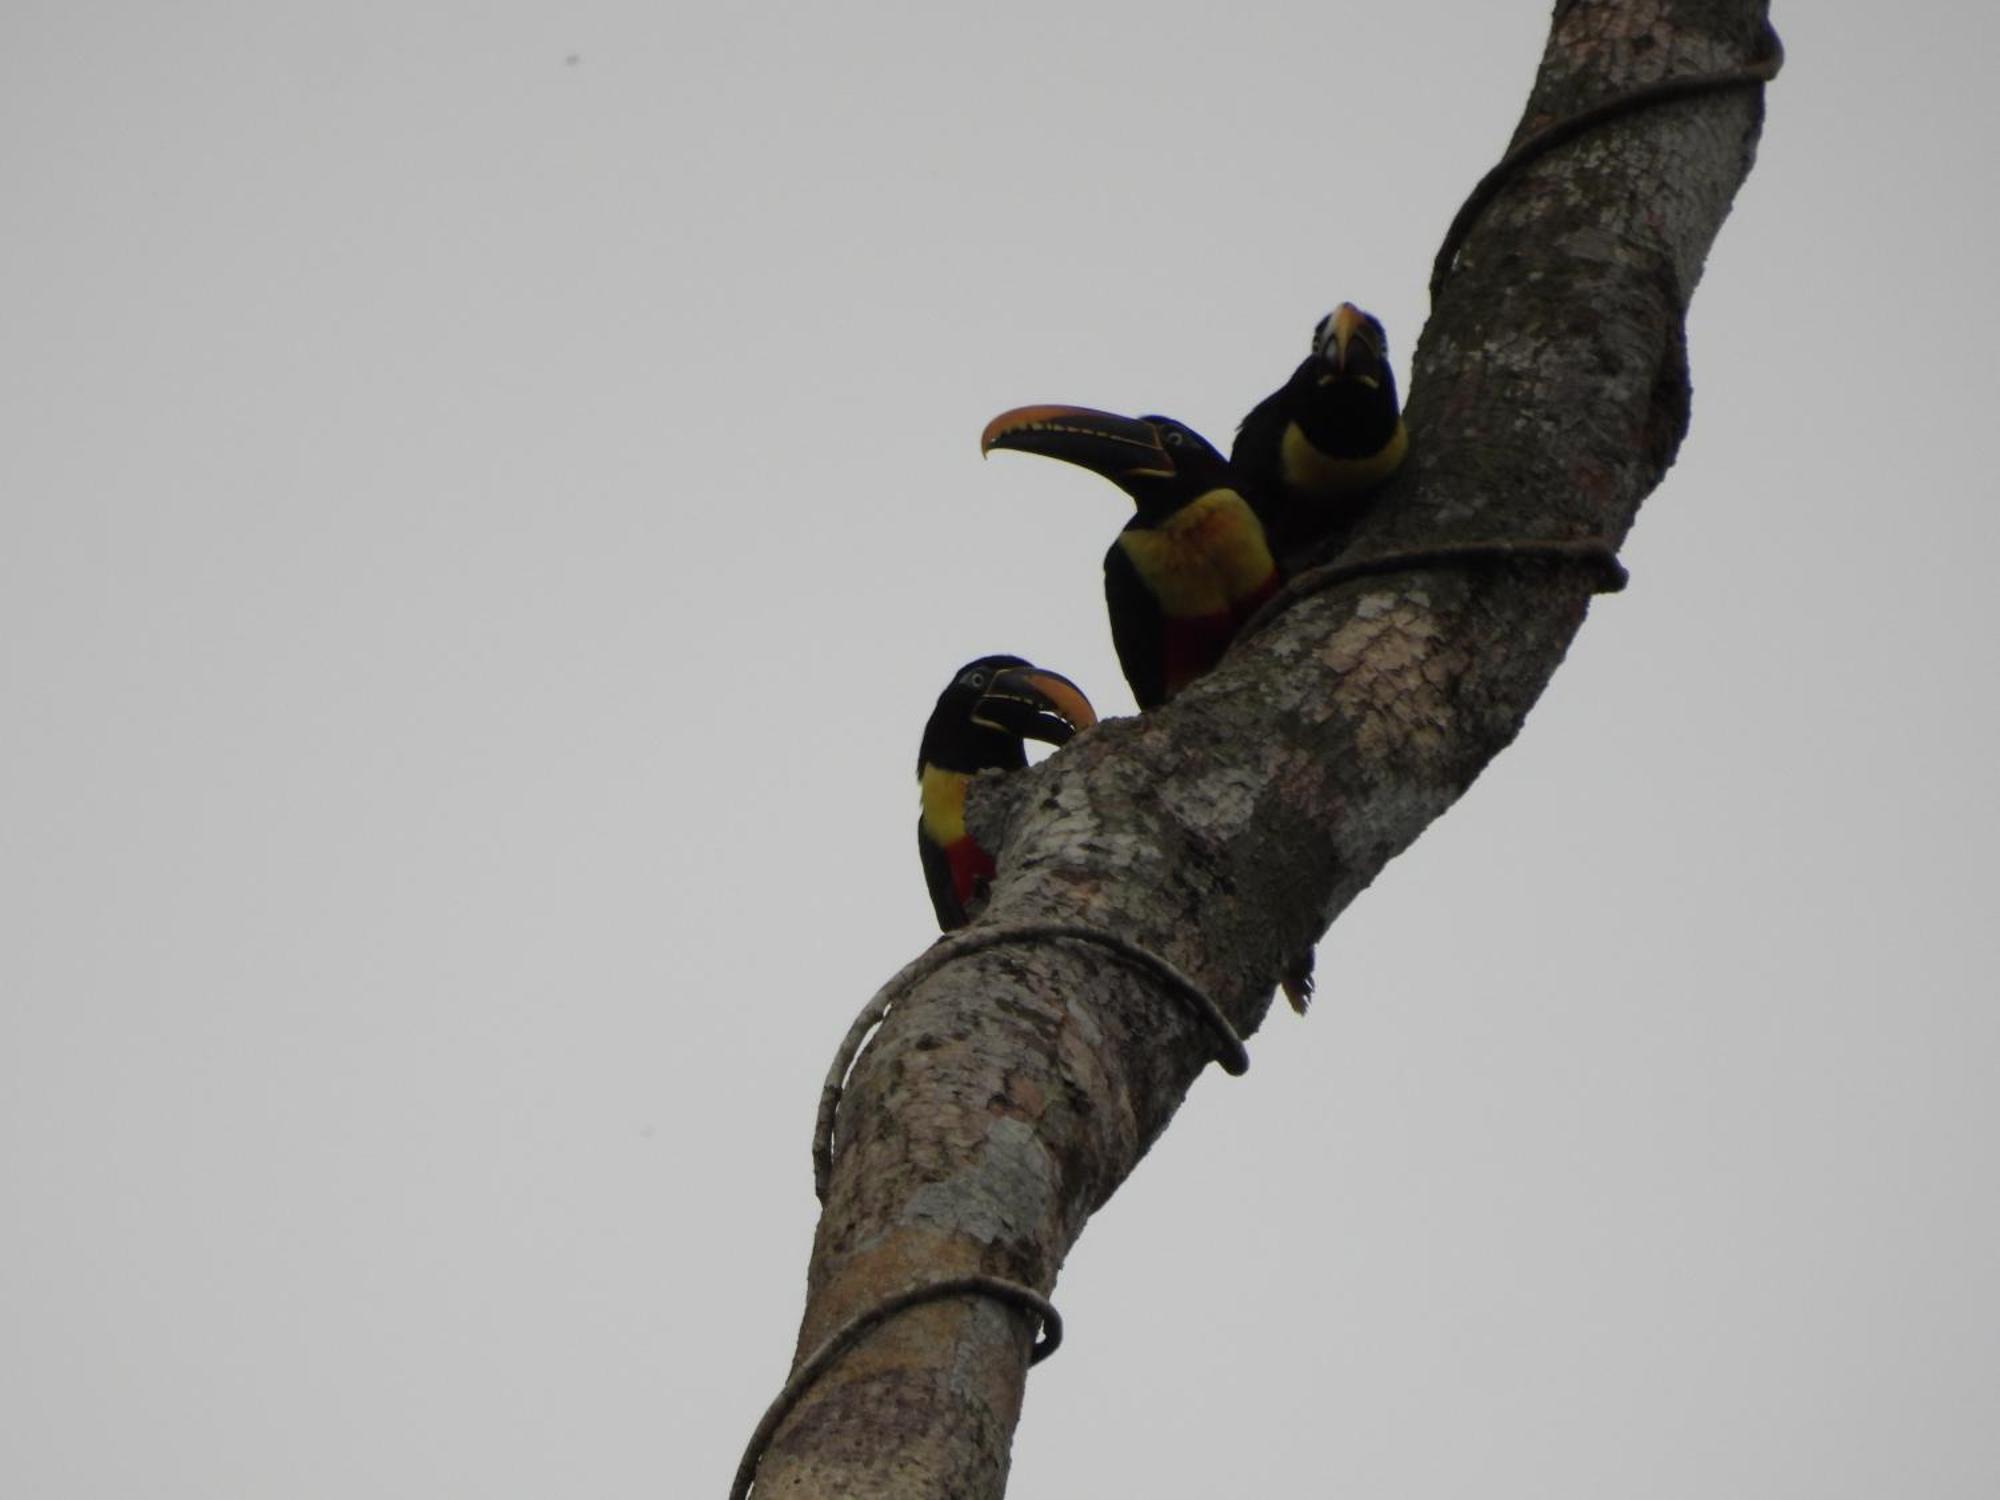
1007 1096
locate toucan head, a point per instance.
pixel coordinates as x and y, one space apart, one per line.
1349 345
991 706
1159 462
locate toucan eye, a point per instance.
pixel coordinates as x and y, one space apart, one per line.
1174 439
975 679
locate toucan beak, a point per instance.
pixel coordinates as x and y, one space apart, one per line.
1101 441
1035 705
1339 346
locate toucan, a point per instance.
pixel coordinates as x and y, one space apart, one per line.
1315 448
980 721
1190 566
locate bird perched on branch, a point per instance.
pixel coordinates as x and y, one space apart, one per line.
1189 567
980 721
1315 448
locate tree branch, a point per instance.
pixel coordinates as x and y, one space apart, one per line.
1008 1094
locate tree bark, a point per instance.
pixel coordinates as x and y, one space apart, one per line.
1007 1096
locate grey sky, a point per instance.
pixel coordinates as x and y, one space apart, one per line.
482 533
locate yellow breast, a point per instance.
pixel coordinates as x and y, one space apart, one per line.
1314 473
942 795
1204 558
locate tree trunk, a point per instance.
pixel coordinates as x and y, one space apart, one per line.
1007 1095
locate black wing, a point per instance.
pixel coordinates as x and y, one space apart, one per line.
1256 462
1135 628
937 875
1254 455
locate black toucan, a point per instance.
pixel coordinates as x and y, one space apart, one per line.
1189 568
1313 449
978 725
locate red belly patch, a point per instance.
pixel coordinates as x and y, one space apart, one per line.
971 869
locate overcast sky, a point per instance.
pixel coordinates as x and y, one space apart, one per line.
490 495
